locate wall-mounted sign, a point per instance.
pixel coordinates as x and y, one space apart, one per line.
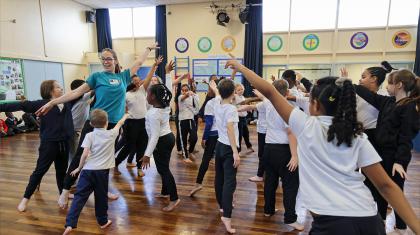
359 40
228 43
182 45
204 44
310 42
401 39
274 43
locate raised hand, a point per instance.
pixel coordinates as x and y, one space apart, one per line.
169 66
158 60
153 46
233 63
344 73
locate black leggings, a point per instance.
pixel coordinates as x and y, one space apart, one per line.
343 225
243 132
188 133
87 128
136 141
207 156
162 156
261 144
49 152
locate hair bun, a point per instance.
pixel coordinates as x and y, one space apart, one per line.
388 68
340 81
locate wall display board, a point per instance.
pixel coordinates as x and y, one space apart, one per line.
204 44
310 42
310 74
12 82
182 45
359 40
204 68
228 43
401 39
274 43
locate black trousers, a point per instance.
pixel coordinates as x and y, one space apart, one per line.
276 158
261 144
225 180
90 181
56 152
207 156
328 225
243 133
162 156
136 141
188 134
69 180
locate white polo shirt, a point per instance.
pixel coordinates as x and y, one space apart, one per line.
225 113
209 110
136 103
276 127
157 125
366 113
330 183
80 112
261 121
101 143
238 99
186 108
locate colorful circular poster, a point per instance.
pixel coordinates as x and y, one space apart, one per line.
401 39
228 43
204 44
274 43
359 40
182 45
310 42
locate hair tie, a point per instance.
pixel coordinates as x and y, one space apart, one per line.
331 98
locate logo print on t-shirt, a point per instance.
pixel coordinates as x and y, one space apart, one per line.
114 81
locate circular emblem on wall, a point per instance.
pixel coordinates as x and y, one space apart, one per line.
401 39
182 45
359 40
228 43
310 42
274 43
204 44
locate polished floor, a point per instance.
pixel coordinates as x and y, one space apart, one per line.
137 211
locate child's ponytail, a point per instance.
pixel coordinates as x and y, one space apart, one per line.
162 94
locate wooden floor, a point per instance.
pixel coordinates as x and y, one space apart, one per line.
137 211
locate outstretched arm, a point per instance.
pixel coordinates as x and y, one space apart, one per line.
151 72
139 62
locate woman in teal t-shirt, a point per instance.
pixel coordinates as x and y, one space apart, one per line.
109 86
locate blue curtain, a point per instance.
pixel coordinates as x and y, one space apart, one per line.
103 29
253 52
161 39
417 61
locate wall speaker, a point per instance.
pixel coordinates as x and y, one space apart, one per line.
90 17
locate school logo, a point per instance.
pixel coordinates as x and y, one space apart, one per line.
114 82
274 43
204 44
182 45
228 43
359 40
310 42
401 39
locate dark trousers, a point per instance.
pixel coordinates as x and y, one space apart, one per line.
243 132
121 143
327 225
225 181
136 140
162 156
188 133
276 158
261 144
178 135
90 181
207 156
49 152
69 180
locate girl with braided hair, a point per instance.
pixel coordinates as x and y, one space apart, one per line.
331 147
161 141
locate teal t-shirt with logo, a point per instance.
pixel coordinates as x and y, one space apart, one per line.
110 91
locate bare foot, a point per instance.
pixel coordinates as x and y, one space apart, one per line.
171 206
228 225
187 160
192 156
256 179
140 173
197 188
71 196
221 210
23 204
116 171
63 200
68 230
296 226
159 195
130 164
268 215
106 225
250 150
113 196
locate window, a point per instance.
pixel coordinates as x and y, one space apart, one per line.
144 19
363 13
404 12
310 14
121 22
276 15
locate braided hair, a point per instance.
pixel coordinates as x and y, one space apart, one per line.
162 93
338 98
380 72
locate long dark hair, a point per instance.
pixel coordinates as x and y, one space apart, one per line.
380 72
338 98
162 93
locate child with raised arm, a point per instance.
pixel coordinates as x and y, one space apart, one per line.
97 158
334 148
227 156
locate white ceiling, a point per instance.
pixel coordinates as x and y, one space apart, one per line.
137 3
